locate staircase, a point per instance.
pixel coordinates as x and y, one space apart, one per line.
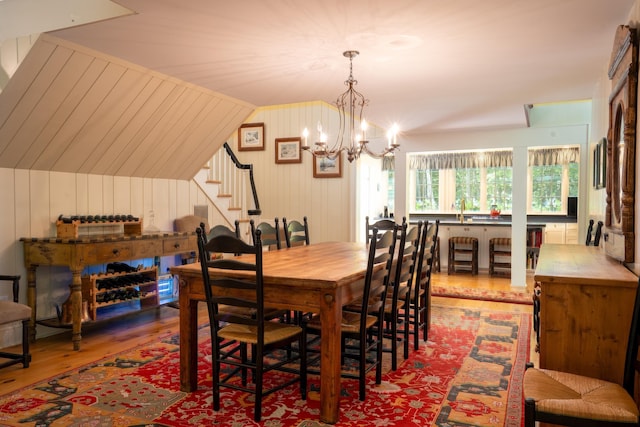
230 187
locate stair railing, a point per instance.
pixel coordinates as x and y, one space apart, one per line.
235 178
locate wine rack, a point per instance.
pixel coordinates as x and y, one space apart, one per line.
71 227
111 294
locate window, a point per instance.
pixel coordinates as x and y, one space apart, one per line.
484 179
468 188
499 188
546 194
427 184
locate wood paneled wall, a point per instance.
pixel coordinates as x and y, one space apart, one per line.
290 190
32 201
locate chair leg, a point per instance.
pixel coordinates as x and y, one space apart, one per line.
26 356
529 413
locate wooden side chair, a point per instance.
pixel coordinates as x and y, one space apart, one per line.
574 400
11 312
296 233
397 307
421 299
270 233
380 225
233 332
362 321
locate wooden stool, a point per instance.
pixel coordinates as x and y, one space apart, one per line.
499 247
467 247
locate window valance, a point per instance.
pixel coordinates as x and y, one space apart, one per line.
554 156
462 160
492 159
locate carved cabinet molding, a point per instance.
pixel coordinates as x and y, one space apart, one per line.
620 182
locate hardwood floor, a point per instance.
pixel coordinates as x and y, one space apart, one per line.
54 355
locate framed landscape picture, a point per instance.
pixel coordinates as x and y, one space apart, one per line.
288 150
251 137
324 167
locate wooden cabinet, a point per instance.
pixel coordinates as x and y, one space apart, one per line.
586 306
109 295
78 253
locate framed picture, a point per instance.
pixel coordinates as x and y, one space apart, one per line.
288 150
251 137
600 164
323 167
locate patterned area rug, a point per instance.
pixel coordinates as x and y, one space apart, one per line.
512 297
468 374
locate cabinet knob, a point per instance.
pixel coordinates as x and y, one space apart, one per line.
177 245
116 252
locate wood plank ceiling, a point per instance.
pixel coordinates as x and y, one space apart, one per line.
72 109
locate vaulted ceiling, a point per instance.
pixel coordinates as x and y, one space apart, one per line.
139 81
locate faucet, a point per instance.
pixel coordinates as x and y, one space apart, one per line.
462 211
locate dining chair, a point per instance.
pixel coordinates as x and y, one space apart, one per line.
270 233
419 304
567 399
396 325
223 230
219 230
361 326
296 233
11 312
227 283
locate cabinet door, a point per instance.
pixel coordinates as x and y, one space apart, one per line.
571 234
554 233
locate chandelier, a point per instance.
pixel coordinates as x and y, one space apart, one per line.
350 105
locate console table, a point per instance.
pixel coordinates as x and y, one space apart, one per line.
78 253
586 306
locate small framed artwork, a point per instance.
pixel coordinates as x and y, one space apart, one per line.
288 150
324 167
603 163
600 164
251 137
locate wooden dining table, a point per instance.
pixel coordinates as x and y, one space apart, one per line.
320 278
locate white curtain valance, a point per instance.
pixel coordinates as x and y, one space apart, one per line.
493 159
462 160
554 156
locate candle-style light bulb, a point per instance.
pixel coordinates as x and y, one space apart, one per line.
364 126
305 134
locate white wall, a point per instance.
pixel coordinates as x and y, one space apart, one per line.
290 190
33 200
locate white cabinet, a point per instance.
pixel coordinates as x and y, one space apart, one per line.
554 233
562 233
571 233
482 232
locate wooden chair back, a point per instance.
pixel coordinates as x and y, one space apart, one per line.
296 233
270 233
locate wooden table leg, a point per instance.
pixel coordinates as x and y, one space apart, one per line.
76 307
330 318
31 301
188 338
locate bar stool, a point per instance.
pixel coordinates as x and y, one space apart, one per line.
463 251
499 247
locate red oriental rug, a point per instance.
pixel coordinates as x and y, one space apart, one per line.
468 374
512 297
